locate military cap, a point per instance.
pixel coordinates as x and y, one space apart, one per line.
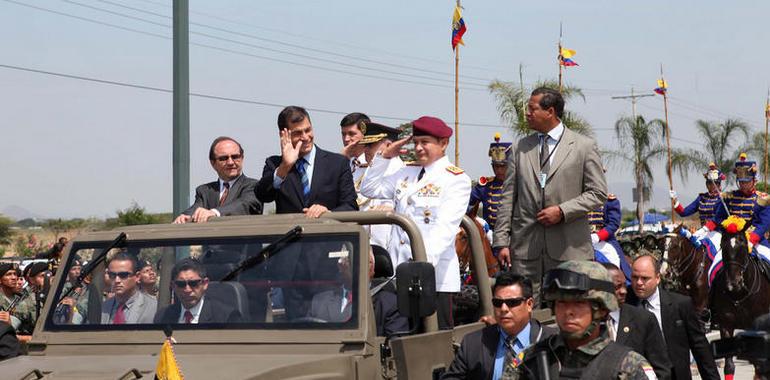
431 126
37 268
374 132
582 281
745 170
714 174
499 151
5 267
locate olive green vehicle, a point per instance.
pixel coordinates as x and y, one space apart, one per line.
271 269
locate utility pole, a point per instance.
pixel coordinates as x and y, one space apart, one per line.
633 98
181 108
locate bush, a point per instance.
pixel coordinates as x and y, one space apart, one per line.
5 229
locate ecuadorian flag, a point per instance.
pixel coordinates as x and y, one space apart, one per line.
458 28
565 57
167 368
662 87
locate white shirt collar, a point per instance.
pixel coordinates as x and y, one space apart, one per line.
310 157
439 164
615 315
654 299
222 182
195 311
556 133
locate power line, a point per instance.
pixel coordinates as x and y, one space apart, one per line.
335 62
237 52
213 97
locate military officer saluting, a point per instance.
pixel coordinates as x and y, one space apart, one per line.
604 222
705 204
434 194
489 190
582 296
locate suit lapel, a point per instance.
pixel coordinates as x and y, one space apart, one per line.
562 151
213 195
320 155
205 315
667 313
624 324
533 153
490 338
234 190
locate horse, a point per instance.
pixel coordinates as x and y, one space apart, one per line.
463 247
466 304
688 271
740 293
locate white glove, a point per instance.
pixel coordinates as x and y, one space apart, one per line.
594 238
672 194
701 233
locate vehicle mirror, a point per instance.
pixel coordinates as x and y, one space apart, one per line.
416 284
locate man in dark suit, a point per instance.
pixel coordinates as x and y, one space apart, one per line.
676 317
637 328
231 194
305 178
483 353
190 285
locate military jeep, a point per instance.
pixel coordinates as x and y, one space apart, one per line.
273 271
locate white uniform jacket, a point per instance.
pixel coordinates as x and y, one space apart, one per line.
436 203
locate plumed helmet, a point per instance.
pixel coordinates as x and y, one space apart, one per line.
714 174
581 281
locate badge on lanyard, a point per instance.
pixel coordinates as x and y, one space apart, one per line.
543 177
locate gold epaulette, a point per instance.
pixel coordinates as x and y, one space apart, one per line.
454 170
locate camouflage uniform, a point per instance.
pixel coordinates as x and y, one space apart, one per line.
23 317
79 312
566 363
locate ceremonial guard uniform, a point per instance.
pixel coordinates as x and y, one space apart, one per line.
489 190
599 358
706 203
374 133
604 223
434 196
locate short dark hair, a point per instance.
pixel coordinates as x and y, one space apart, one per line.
125 256
354 118
510 278
188 264
551 98
219 140
291 115
610 266
654 259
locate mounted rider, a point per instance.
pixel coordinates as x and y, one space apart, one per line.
706 203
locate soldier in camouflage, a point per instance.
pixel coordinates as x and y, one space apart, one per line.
15 309
582 295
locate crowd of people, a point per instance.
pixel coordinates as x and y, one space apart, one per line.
552 226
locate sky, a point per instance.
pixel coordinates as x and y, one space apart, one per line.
73 147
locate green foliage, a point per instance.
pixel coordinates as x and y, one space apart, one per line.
136 215
512 100
28 245
721 145
60 226
5 230
27 223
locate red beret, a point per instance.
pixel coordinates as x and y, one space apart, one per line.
431 126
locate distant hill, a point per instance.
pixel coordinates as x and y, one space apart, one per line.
18 213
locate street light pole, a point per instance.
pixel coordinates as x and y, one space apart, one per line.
181 109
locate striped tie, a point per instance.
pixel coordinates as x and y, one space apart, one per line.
301 165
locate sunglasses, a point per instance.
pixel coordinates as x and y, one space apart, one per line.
510 302
122 275
193 283
234 157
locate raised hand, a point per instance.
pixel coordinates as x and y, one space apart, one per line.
353 149
289 152
394 149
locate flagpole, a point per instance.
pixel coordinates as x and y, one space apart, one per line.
457 100
668 142
767 117
559 60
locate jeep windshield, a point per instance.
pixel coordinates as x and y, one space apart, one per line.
307 283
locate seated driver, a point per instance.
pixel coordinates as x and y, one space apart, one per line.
335 305
190 285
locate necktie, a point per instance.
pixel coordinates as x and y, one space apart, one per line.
510 354
422 173
224 193
120 315
646 305
612 329
301 169
188 317
545 162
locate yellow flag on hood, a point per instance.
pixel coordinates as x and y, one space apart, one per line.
167 368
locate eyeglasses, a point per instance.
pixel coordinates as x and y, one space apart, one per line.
510 302
122 275
234 157
193 283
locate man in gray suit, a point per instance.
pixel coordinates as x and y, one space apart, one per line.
554 178
231 194
129 305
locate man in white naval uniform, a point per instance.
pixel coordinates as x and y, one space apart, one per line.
434 194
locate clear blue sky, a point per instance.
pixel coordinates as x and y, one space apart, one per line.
77 148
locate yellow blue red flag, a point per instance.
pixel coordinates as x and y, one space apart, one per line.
565 57
458 28
167 368
662 87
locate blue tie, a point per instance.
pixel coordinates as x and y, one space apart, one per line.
301 165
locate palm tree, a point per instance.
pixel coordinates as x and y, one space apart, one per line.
512 101
719 146
756 148
642 142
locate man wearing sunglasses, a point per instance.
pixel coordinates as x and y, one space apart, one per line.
129 305
190 285
231 194
484 353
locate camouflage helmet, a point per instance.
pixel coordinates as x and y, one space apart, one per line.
581 281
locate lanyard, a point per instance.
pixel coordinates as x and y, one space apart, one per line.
550 153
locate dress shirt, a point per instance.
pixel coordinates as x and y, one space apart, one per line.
222 190
195 311
519 344
553 137
310 158
614 319
654 307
